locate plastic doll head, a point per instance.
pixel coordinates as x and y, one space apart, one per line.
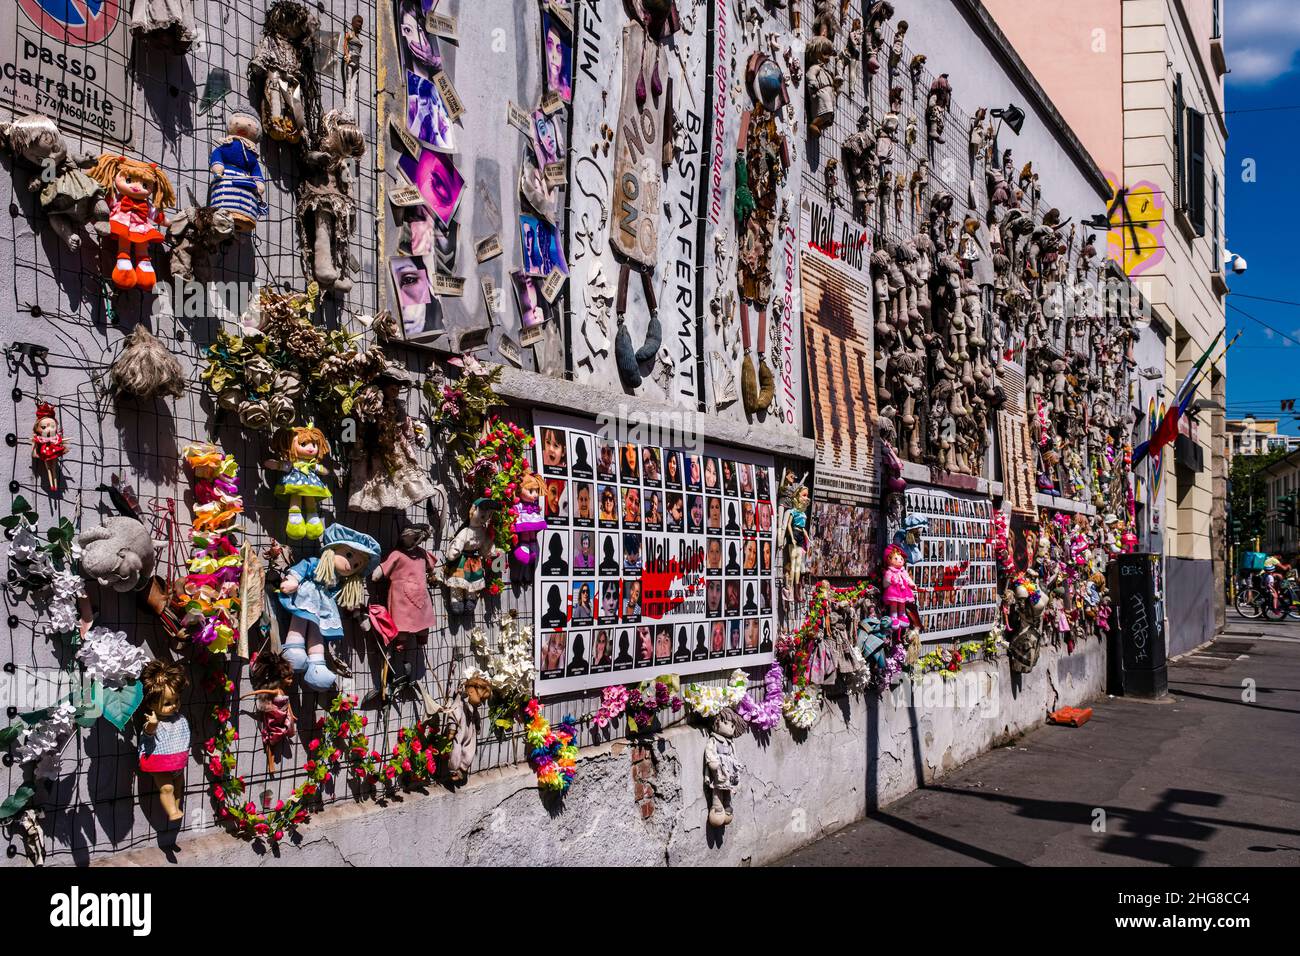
46 425
727 723
164 682
269 671
530 487
136 179
477 690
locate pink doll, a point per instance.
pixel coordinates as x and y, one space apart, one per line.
48 445
900 589
409 570
138 194
528 518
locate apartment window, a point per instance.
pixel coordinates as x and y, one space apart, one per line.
1195 133
1180 144
1218 23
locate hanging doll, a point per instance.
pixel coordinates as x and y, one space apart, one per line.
315 590
385 472
70 199
164 731
303 449
794 537
138 193
166 25
146 369
282 71
462 718
721 768
528 518
327 209
466 555
900 589
409 570
48 445
272 676
238 185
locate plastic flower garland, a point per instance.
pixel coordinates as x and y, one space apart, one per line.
510 669
552 753
209 597
613 702
707 701
767 715
795 650
494 469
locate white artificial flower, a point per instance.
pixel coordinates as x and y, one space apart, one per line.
41 744
110 658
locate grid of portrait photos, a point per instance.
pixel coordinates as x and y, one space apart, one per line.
956 578
655 558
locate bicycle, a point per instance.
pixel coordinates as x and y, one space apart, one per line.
1254 600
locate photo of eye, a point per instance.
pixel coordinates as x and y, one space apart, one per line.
436 177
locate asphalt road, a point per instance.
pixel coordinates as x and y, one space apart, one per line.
1203 779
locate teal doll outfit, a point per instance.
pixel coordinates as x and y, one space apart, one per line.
314 610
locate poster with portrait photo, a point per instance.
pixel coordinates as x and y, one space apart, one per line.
541 198
555 554
439 182
624 649
580 457
602 650
717 639
557 55
712 475
555 452
556 501
548 143
427 116
694 472
729 481
534 310
554 612
731 516
650 575
421 312
734 646
579 661
583 499
540 245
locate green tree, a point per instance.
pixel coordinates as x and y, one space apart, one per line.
1248 498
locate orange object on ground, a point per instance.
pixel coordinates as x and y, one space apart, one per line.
1071 716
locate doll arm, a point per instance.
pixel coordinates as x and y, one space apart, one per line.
456 548
272 465
150 724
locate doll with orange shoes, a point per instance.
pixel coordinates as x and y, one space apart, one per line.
138 193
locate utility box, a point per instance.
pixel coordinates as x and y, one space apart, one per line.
1136 648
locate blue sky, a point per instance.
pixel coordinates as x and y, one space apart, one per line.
1262 42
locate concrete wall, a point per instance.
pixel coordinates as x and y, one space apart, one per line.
1189 603
646 805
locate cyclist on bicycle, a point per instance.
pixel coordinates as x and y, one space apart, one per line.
1275 569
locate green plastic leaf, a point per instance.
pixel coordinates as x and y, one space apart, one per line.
34 717
21 506
17 802
90 707
9 734
120 703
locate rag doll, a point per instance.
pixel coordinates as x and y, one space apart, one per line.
166 25
272 676
409 570
463 719
138 192
327 209
282 71
466 556
301 452
69 198
528 518
721 768
900 589
385 472
237 186
48 445
146 369
118 554
314 592
164 732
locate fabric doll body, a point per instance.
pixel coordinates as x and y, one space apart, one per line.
722 769
409 604
238 186
528 519
385 470
167 749
276 719
466 556
302 483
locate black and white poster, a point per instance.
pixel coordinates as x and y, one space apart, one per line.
956 578
673 567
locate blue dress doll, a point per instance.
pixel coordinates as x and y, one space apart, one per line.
316 590
237 188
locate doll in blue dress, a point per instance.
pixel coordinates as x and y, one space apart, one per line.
302 483
316 590
238 184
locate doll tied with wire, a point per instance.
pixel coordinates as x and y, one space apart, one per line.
272 676
48 445
301 452
138 193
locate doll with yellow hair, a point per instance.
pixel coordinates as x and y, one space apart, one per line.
138 192
302 450
528 518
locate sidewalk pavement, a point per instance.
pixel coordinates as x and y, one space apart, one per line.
1201 779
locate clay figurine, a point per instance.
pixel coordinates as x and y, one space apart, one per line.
164 732
314 591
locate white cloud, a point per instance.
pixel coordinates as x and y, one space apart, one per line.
1262 39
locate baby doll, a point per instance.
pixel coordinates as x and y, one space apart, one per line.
314 591
899 586
272 676
47 442
138 193
528 518
302 449
463 717
466 555
238 185
409 569
721 768
164 732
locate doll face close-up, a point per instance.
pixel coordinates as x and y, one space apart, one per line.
304 446
46 428
132 183
169 703
348 560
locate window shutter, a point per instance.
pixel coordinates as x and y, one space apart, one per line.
1216 251
1180 195
1196 170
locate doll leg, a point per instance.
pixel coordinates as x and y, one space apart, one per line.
296 529
315 526
766 384
144 274
167 795
317 676
717 812
748 380
295 646
124 272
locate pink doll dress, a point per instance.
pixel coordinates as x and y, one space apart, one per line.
898 587
135 221
168 748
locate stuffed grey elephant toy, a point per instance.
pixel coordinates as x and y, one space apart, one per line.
118 554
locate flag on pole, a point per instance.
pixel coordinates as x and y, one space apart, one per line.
1167 430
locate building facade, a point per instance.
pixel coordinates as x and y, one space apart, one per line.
1281 529
1256 436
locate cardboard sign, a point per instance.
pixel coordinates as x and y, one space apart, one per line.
529 337
519 118
455 107
510 351
406 196
408 139
252 586
562 14
552 102
487 248
448 285
552 286
555 174
441 25
491 295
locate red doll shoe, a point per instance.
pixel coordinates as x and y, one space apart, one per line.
124 276
144 274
